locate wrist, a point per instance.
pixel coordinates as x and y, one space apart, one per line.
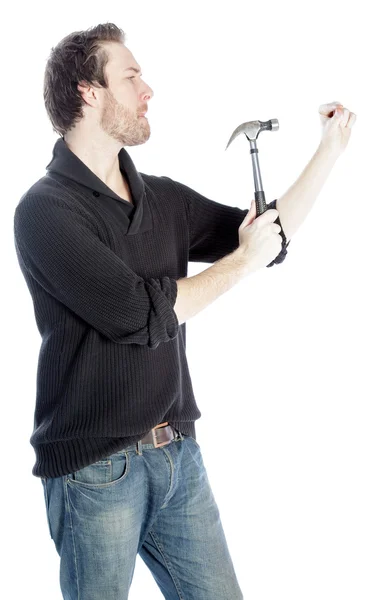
239 260
328 151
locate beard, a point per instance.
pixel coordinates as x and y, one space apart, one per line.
123 125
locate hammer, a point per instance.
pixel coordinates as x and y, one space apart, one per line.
252 130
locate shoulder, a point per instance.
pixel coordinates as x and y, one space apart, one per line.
45 204
43 189
53 191
159 182
163 188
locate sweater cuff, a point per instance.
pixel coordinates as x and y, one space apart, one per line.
170 289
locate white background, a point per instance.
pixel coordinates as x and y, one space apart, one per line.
291 367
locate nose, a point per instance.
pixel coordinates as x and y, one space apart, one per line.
149 92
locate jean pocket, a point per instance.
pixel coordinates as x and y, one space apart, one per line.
103 473
192 440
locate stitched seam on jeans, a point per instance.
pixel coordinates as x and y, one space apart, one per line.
73 541
168 565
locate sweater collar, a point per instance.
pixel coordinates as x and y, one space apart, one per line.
137 218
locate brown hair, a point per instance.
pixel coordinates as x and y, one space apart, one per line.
79 57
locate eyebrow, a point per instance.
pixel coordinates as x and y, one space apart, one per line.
132 69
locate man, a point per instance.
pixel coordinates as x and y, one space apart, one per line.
104 250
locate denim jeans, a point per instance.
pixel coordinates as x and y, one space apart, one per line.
155 502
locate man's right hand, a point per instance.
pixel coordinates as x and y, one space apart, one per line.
259 239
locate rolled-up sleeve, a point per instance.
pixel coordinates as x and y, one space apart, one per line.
61 250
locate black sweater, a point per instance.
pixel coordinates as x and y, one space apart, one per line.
102 275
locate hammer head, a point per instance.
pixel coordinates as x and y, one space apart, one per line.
252 129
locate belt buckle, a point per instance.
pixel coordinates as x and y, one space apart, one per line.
154 433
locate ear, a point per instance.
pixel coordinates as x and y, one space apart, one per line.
87 92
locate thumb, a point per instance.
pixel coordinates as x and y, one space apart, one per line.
251 214
248 217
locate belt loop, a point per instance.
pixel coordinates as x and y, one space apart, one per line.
139 447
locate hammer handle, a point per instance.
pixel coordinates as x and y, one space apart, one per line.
261 205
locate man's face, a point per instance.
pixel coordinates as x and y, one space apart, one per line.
125 98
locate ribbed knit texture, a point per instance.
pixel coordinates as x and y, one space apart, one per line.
103 275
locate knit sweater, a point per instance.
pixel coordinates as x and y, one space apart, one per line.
102 274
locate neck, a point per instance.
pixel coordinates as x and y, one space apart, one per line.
100 154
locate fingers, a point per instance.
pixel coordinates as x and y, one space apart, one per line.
327 109
344 117
351 120
268 216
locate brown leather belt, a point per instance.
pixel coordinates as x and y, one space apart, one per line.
161 435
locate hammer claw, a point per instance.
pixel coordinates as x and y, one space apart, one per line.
252 129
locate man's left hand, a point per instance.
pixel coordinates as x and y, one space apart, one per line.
336 121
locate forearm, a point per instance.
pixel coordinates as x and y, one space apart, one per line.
197 292
296 203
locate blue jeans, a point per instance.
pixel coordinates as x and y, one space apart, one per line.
155 502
